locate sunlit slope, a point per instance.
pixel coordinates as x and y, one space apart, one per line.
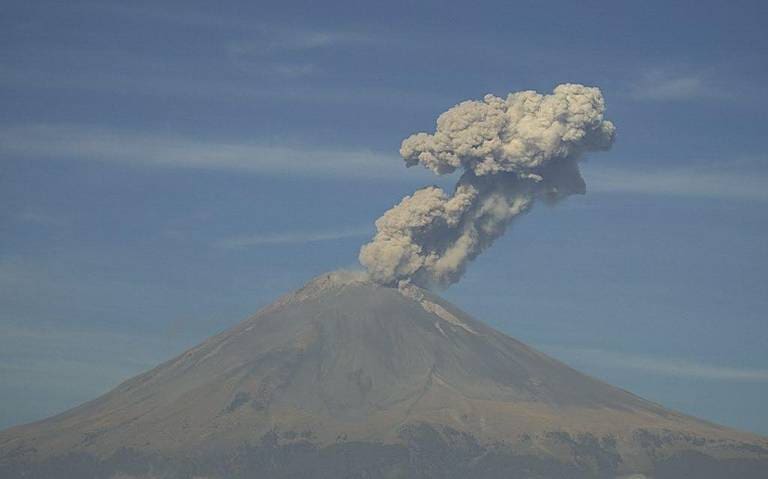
344 361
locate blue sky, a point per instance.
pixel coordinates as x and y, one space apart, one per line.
166 169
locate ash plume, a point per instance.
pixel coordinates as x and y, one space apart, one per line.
512 151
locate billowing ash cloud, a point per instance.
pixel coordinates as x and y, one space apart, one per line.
512 151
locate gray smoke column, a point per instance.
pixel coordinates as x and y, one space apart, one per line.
512 151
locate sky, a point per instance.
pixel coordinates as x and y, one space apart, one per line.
168 168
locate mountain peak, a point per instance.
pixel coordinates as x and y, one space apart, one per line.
344 361
326 283
338 279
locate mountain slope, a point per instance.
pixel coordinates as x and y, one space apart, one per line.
344 368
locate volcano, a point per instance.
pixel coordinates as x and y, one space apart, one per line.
345 378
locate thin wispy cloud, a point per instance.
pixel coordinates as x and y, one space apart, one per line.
281 39
223 89
275 37
94 144
188 17
262 239
252 70
80 142
661 85
677 367
693 182
291 53
39 218
294 70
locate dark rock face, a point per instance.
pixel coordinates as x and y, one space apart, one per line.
346 379
426 453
